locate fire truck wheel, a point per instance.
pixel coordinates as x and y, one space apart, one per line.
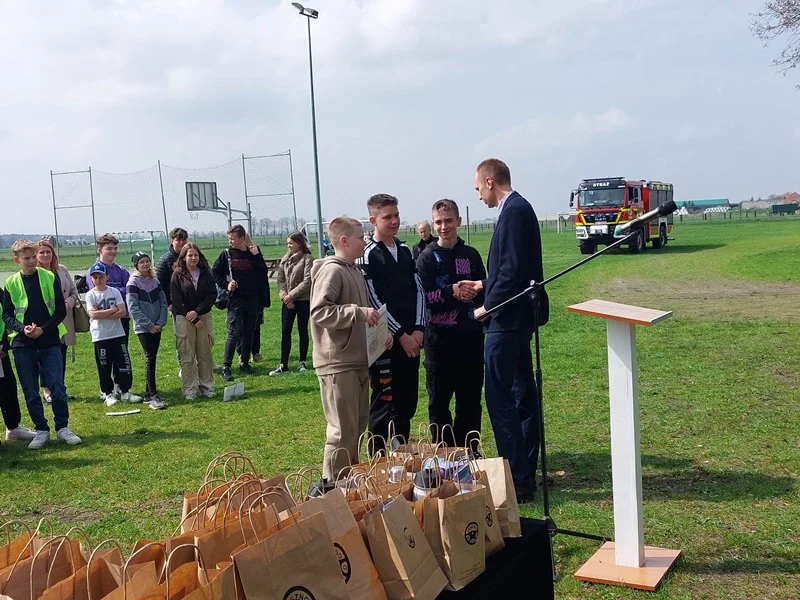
637 245
587 246
661 240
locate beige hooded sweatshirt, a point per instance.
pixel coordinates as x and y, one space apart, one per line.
338 316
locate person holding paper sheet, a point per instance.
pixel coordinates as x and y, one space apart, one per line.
339 311
450 272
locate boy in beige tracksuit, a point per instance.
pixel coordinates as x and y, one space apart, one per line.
339 314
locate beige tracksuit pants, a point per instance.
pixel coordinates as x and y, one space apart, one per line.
345 402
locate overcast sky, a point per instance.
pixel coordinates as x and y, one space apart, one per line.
411 95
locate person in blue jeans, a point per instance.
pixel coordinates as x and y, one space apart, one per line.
33 312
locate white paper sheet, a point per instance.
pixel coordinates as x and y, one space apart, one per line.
376 337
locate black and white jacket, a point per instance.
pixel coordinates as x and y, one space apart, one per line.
395 283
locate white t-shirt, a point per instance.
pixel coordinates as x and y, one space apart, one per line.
104 329
393 251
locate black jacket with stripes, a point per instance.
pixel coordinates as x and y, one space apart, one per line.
396 284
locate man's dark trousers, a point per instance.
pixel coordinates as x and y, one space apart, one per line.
394 379
242 315
511 403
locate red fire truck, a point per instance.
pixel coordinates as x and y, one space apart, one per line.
603 204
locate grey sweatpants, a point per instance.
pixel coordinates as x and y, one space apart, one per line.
345 402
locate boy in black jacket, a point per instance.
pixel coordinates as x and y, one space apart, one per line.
392 279
453 337
249 272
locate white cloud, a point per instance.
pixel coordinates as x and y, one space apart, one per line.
537 137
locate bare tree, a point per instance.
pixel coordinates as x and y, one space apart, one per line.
779 19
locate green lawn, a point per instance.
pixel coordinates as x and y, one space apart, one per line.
719 395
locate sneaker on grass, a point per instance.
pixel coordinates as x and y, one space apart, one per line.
156 403
65 435
110 399
130 397
279 371
20 434
39 440
257 358
208 393
302 366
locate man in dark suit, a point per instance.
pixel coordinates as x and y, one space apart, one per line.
425 239
515 259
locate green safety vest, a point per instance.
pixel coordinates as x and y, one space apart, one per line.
16 289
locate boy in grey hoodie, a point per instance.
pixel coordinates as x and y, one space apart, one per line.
147 305
340 312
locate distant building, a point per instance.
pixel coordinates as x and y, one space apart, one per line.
701 205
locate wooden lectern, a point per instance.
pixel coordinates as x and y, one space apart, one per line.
626 561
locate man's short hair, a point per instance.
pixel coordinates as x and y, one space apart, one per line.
340 226
237 230
423 224
446 204
379 201
21 246
178 233
106 239
496 169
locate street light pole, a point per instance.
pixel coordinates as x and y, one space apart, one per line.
311 13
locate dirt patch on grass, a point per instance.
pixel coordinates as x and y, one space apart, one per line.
68 514
716 300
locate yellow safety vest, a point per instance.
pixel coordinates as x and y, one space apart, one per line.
16 289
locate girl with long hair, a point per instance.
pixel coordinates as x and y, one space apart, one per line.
193 291
294 289
147 305
47 258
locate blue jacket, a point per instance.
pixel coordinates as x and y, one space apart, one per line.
515 259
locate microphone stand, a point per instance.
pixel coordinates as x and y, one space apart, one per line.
533 293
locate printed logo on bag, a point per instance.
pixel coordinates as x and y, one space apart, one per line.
344 562
489 519
471 533
409 538
298 592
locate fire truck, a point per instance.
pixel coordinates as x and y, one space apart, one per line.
603 204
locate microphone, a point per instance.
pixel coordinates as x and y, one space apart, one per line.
638 223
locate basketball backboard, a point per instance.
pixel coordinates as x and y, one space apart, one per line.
202 196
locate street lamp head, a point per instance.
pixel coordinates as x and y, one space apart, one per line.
306 12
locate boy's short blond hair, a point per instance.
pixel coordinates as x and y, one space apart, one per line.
343 226
379 201
105 240
21 246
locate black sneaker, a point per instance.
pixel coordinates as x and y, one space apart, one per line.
247 369
226 374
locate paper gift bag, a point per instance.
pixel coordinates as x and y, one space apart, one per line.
52 563
498 472
401 553
101 579
184 580
358 571
494 534
297 561
454 523
23 546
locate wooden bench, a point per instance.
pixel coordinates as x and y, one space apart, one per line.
272 266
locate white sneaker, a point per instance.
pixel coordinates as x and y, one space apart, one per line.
39 440
66 435
209 393
110 399
279 371
191 396
156 403
129 397
48 398
20 434
301 366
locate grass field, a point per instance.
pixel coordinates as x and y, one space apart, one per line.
719 395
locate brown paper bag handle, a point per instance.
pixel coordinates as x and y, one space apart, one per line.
364 437
42 521
7 527
227 497
221 459
81 534
89 564
159 545
274 510
201 504
299 478
424 431
245 464
200 562
61 539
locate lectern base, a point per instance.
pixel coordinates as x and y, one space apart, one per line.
602 569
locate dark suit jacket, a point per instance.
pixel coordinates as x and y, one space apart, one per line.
515 259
